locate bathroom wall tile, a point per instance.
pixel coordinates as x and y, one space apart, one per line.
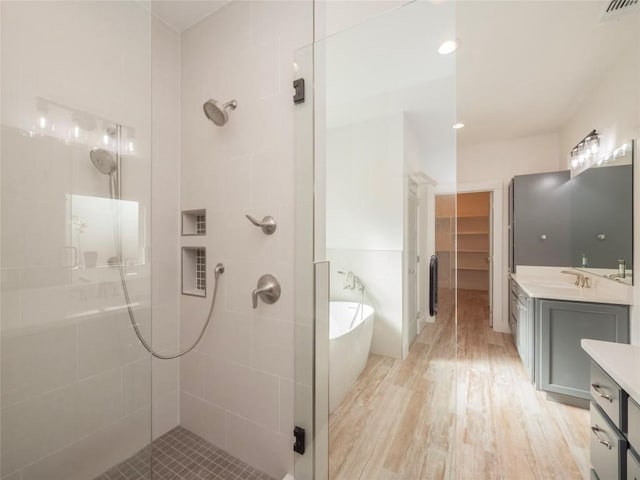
191 373
10 290
228 338
37 362
136 385
165 376
203 419
272 345
260 446
249 393
166 412
232 184
78 461
13 476
36 427
286 406
99 344
303 357
98 401
271 20
39 351
272 178
244 168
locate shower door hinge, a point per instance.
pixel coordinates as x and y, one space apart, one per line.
300 445
298 86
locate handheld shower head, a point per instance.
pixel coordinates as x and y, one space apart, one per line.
103 160
219 115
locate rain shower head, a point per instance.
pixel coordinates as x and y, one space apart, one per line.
218 115
103 160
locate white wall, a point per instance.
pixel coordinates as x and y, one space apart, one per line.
165 224
74 377
237 386
500 162
365 228
612 107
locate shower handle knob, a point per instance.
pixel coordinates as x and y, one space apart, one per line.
268 224
268 290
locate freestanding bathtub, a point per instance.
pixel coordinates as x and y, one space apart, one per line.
349 344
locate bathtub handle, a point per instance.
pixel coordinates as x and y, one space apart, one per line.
268 290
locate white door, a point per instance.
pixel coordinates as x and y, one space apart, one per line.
412 263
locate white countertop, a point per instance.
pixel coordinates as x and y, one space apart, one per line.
620 361
549 282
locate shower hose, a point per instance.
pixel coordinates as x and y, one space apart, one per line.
115 195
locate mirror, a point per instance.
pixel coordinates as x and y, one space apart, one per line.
602 216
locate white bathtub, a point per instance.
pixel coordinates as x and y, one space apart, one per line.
349 345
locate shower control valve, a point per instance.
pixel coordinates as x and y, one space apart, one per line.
268 224
268 290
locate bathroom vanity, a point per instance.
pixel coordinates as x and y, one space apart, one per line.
615 410
550 315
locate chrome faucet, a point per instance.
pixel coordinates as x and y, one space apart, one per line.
351 281
581 280
579 276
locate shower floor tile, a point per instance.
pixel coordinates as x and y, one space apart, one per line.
182 455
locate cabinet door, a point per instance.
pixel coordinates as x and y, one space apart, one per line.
541 227
564 366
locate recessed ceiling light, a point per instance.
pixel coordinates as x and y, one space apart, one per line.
458 125
447 47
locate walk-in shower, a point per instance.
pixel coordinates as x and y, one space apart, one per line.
218 114
106 163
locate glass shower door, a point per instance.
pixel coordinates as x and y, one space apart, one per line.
382 385
75 391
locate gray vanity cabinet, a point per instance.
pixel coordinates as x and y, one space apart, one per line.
564 366
539 220
522 322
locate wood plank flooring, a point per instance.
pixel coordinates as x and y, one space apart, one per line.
432 417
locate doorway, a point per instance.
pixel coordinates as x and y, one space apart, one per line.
464 246
473 248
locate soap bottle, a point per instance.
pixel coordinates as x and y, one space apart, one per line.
622 269
584 261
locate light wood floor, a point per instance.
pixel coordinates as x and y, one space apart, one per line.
430 417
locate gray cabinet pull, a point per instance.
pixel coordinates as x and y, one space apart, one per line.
598 390
595 429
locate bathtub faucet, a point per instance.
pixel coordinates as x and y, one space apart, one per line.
351 281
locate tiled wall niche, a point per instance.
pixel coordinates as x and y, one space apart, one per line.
194 222
194 271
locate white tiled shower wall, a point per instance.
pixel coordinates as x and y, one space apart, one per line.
237 386
76 384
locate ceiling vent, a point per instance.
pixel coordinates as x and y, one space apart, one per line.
616 8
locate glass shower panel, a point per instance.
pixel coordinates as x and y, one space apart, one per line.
384 146
75 391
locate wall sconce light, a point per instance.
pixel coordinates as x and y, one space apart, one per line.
585 153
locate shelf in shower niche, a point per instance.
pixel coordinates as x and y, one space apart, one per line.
194 271
194 222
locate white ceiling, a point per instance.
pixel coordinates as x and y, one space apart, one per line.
524 67
181 14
